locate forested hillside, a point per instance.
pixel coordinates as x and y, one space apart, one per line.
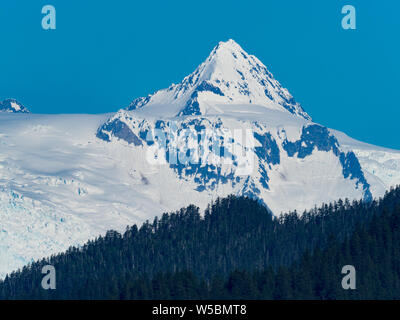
235 250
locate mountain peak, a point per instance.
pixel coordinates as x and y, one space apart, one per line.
230 44
12 106
229 76
223 59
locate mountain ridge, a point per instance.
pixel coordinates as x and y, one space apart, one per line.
12 106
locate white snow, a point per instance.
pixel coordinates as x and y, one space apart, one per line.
381 165
242 79
15 106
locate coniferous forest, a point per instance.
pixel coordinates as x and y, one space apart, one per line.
235 250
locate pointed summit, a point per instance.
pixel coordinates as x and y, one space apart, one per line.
229 76
230 45
12 106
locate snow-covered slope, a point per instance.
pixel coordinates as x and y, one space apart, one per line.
293 164
67 178
229 76
381 166
60 186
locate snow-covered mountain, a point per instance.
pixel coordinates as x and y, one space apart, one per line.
12 106
295 159
65 179
229 76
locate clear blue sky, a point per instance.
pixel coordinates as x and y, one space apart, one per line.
103 54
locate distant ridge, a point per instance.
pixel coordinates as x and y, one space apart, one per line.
12 106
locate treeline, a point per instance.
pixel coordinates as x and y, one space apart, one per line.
373 250
185 256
